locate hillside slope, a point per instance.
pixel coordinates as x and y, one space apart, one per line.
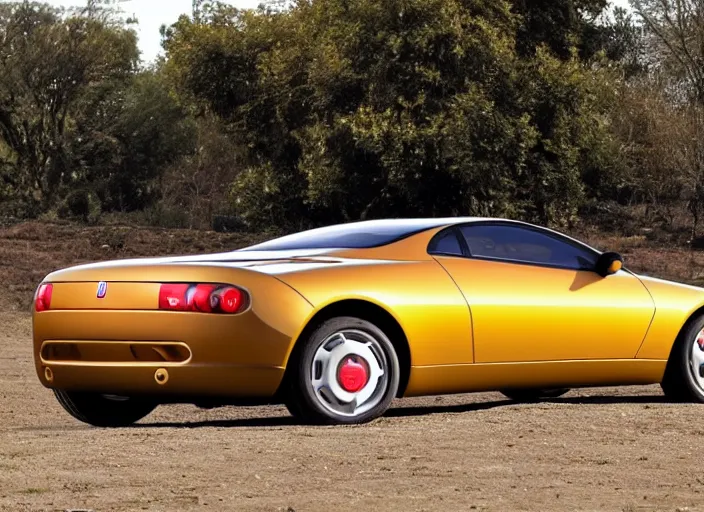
29 251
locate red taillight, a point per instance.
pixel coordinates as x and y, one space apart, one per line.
229 300
43 300
174 297
204 298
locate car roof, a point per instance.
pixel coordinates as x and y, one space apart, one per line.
362 234
413 224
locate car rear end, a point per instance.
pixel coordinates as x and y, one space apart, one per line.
176 330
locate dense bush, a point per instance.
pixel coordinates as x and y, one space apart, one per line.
374 108
339 110
77 113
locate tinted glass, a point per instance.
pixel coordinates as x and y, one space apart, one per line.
446 243
346 236
515 243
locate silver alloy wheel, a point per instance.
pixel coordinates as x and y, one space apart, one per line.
696 360
349 373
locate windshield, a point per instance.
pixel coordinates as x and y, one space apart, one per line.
359 235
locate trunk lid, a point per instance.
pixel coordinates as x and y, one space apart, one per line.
134 284
154 269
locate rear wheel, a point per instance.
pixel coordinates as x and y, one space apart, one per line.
347 371
102 410
533 395
684 374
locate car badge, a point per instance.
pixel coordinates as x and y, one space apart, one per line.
102 289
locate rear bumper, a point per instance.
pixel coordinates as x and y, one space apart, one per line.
208 380
241 356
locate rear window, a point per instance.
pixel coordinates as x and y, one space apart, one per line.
360 235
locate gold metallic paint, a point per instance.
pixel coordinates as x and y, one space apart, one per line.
232 355
544 374
211 380
419 295
120 295
531 313
520 321
676 303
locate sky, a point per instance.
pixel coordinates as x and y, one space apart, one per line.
152 14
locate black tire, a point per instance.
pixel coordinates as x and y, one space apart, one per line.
308 406
102 410
679 383
292 406
533 395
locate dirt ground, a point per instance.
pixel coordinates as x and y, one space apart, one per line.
609 449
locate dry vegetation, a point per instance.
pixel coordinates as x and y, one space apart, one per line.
30 250
646 257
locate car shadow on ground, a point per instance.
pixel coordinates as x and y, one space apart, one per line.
460 408
272 421
401 411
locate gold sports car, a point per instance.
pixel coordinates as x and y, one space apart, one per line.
336 322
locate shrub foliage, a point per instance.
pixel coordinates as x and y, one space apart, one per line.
340 110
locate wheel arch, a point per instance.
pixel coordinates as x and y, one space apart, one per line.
678 383
365 310
698 312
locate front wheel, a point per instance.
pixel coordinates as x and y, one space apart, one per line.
533 395
102 410
346 372
684 374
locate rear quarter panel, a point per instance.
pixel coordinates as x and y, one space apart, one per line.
420 295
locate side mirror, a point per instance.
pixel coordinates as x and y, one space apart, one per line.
608 263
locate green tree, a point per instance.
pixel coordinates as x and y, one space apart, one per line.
367 108
196 187
561 25
48 62
124 138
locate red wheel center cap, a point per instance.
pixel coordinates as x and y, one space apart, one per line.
352 375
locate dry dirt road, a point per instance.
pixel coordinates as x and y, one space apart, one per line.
611 449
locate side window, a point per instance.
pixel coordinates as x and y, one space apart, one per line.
447 243
519 244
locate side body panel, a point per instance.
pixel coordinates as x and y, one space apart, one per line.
532 313
541 374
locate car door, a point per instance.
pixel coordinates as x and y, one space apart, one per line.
533 295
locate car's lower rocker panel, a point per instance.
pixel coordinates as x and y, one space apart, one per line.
447 379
